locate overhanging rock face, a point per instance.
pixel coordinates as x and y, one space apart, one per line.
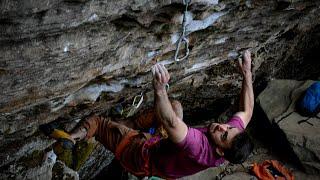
65 59
303 137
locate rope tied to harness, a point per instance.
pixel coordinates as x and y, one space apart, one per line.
182 36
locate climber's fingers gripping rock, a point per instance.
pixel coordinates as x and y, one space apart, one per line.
161 77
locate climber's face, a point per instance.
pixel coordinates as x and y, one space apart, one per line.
222 134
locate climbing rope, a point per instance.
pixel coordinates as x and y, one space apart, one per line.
182 36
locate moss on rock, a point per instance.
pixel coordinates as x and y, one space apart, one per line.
82 151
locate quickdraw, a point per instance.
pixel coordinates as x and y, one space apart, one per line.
182 36
137 101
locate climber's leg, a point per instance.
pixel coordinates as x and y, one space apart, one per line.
107 132
123 141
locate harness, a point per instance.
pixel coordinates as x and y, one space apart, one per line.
147 168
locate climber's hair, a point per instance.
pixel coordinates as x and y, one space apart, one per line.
241 148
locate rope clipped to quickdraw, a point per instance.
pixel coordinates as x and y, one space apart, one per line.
182 36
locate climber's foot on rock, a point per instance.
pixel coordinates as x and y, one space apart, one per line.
51 130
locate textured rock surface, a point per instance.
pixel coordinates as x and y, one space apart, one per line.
243 171
44 171
67 59
303 137
61 171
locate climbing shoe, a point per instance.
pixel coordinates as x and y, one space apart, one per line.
50 129
65 144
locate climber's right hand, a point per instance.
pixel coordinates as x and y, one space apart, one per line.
161 77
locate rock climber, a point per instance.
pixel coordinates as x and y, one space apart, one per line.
186 150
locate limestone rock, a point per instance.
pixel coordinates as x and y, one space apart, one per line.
284 95
303 137
98 159
45 170
61 171
223 172
239 176
66 59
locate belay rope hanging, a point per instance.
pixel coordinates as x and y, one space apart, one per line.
182 36
137 101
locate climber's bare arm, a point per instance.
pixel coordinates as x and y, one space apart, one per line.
176 128
246 96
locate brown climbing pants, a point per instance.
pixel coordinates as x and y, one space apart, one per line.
124 142
130 146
